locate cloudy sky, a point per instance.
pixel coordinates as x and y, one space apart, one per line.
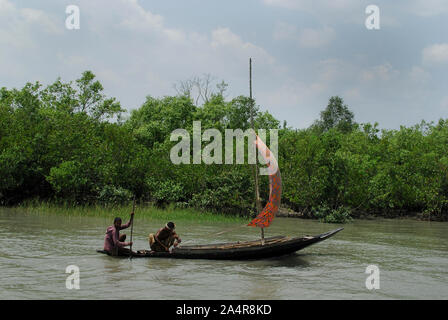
303 51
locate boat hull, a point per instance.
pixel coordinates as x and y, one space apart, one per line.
273 247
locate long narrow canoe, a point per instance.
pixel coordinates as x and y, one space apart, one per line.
273 247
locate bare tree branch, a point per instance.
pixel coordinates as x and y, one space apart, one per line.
200 89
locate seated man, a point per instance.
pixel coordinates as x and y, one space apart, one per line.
114 243
164 238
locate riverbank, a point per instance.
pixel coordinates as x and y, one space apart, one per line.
146 211
151 212
358 215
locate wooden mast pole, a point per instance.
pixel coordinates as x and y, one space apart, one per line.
132 228
257 192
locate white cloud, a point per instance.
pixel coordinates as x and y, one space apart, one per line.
285 31
289 4
73 61
419 75
424 8
135 51
310 4
41 19
352 93
139 25
340 12
292 92
427 8
149 56
435 54
17 26
315 38
137 19
307 37
326 12
226 53
383 72
6 6
444 103
225 39
295 100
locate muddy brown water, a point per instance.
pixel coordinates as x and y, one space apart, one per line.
412 257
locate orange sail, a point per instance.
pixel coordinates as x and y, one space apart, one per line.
266 216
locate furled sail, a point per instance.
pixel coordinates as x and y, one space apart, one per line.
266 216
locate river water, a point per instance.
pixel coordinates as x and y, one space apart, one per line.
35 250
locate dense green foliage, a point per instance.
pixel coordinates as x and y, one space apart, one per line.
68 142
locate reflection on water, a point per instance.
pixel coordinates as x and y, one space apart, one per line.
35 251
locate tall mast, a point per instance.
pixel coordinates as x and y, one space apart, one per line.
257 192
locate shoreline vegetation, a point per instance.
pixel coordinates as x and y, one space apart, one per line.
407 215
146 211
70 145
171 212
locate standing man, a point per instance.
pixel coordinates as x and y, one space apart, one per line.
164 238
114 243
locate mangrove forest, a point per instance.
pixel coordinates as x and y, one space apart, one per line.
69 143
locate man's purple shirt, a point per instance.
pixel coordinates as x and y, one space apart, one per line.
111 240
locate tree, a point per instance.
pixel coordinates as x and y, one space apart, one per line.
200 89
240 110
336 115
157 118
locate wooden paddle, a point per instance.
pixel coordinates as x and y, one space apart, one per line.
132 228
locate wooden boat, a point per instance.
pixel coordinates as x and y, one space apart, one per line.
272 247
257 249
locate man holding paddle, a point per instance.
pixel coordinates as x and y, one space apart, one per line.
114 243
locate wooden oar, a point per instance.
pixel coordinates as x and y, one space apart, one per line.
132 228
